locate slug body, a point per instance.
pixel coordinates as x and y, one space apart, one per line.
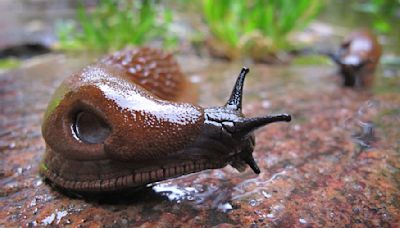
121 123
357 58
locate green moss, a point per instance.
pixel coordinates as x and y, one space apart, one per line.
56 99
311 60
9 63
43 167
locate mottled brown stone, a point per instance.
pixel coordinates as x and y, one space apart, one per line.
312 172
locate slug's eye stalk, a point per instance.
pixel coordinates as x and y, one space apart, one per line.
248 125
335 57
235 101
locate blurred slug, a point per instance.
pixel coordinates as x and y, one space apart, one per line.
121 123
357 58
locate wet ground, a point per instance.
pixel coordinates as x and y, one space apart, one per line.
337 162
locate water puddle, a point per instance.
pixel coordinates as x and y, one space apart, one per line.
191 190
362 127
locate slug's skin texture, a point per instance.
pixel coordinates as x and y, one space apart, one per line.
110 128
156 71
357 58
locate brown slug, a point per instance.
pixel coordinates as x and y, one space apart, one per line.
121 123
357 58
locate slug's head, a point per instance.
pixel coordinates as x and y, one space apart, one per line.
228 127
358 50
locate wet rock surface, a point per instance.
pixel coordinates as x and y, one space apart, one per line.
336 163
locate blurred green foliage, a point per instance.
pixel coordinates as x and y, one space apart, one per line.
384 13
256 27
113 24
